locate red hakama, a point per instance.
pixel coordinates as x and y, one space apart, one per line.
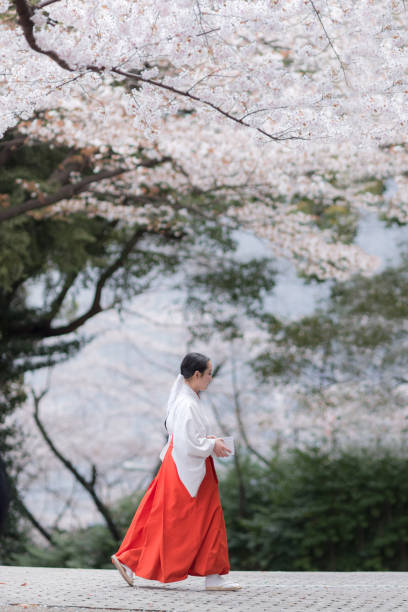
174 534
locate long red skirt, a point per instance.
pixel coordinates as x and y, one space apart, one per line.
173 534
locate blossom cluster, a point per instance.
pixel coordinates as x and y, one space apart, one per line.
266 103
290 68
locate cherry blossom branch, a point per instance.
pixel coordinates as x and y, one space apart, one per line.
44 4
25 13
200 17
215 107
259 110
311 2
159 201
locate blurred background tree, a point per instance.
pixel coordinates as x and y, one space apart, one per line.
59 271
115 180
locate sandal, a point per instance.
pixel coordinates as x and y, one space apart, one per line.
123 570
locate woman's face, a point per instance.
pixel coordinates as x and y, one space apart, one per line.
205 378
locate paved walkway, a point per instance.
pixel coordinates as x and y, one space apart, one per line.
77 590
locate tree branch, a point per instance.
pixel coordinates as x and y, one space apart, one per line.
72 189
25 13
237 406
218 109
9 492
66 192
329 39
96 306
88 485
43 329
72 163
30 516
67 505
44 4
18 140
237 458
58 301
5 493
9 146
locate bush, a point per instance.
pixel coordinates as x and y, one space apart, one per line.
313 511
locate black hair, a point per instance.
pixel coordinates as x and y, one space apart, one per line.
193 362
190 364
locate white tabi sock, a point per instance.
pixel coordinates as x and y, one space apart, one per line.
217 581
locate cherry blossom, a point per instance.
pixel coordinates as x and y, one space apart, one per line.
268 103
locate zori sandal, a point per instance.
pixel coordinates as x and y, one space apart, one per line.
123 570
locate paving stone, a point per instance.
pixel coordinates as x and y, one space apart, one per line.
83 590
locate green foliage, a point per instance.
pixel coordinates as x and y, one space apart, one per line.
242 286
14 253
243 282
34 164
336 216
383 295
360 332
87 548
375 186
311 511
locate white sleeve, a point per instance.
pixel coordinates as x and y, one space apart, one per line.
189 433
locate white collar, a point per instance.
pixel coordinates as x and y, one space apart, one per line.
190 391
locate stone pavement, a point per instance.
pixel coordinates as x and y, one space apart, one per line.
83 590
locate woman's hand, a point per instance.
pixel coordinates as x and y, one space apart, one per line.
220 449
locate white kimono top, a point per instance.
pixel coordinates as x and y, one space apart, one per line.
187 422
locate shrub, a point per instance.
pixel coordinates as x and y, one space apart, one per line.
312 511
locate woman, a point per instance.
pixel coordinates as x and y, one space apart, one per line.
179 527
